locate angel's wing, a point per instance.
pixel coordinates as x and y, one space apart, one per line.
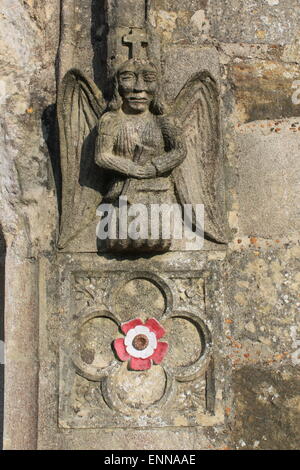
200 179
79 107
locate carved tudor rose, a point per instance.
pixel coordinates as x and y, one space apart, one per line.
116 367
141 346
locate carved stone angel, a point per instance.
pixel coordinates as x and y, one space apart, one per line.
149 157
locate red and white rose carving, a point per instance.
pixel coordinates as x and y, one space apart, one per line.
140 345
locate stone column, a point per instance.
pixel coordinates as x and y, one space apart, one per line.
21 353
124 19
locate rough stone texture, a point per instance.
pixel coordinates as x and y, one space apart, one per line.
263 286
263 298
85 43
264 89
258 21
21 354
192 60
129 13
257 44
180 22
28 44
274 394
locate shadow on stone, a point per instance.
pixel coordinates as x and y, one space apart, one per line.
50 134
267 413
99 30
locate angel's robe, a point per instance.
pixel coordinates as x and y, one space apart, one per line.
143 139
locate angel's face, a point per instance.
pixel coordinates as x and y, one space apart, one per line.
137 83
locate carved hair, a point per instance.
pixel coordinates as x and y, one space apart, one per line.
156 107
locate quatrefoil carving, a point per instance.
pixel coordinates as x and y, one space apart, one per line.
94 329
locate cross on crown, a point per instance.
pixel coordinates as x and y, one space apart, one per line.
137 41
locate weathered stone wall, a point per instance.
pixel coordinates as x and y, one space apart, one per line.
257 44
28 210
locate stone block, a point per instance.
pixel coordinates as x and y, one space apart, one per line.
96 389
268 21
174 5
269 175
192 60
264 89
267 404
